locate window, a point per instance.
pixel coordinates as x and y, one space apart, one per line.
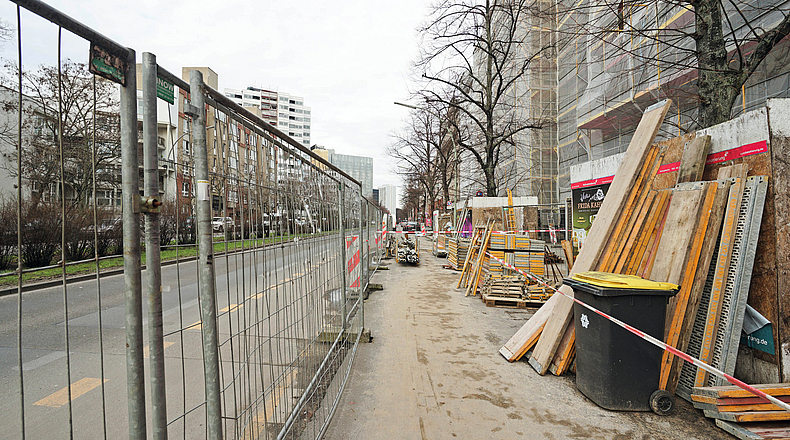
185 189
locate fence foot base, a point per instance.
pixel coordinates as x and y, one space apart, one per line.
366 336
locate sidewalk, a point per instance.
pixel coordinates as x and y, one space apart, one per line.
433 371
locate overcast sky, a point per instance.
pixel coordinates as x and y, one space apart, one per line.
349 60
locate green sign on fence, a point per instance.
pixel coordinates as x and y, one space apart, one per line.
165 90
107 65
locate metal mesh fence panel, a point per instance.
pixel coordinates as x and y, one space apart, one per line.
105 333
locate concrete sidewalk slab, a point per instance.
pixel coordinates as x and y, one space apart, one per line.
433 371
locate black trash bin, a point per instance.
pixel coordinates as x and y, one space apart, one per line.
615 368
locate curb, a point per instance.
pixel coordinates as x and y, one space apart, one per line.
92 276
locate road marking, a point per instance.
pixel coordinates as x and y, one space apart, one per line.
147 352
78 388
40 362
198 325
263 416
232 307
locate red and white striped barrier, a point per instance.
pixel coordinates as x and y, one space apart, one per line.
353 263
666 347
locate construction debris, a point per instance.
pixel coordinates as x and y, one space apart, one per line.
408 251
701 235
744 415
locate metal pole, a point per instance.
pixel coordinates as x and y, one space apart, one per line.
206 258
135 378
153 266
363 269
343 258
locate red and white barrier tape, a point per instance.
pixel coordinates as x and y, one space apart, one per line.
710 369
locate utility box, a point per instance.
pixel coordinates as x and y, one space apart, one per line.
615 368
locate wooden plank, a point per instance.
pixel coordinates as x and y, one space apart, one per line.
738 408
567 248
683 298
620 228
692 164
734 400
646 265
528 334
601 229
700 277
681 224
562 358
636 229
479 266
620 187
648 232
469 252
562 315
732 391
749 416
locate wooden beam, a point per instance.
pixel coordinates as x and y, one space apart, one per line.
692 163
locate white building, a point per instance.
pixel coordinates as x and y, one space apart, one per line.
388 197
285 111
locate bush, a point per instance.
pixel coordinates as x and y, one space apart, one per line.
8 223
40 233
79 234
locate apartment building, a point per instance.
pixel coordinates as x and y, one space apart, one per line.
285 111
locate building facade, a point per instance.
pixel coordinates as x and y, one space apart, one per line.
388 196
358 167
612 67
285 111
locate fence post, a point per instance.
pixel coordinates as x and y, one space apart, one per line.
363 269
153 268
208 310
135 378
343 255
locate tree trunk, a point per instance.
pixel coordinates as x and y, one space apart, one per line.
718 84
490 174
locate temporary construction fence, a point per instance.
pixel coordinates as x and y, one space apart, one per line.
240 303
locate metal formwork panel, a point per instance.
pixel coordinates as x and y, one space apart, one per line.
736 289
759 186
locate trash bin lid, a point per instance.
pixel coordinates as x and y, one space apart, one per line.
619 281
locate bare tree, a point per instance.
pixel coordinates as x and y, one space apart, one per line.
73 109
478 50
418 151
698 52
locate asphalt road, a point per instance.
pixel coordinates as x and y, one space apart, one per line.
270 301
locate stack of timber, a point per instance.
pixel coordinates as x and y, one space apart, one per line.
743 414
456 251
701 235
545 333
531 262
503 291
471 273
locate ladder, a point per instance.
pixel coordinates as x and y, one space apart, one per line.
509 214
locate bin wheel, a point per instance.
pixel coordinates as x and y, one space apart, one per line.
661 402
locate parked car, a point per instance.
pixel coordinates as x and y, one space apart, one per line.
220 224
411 226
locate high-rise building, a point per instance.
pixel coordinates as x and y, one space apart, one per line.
388 195
285 111
358 167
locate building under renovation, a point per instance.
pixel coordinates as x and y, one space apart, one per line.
614 60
